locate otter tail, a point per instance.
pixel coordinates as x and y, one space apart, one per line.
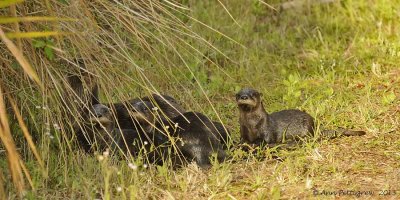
330 134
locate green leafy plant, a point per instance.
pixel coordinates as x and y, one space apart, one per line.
46 45
293 89
388 98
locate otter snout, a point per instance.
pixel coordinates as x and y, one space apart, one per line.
101 114
142 112
248 98
244 97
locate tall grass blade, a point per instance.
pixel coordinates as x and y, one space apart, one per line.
9 144
7 20
35 34
6 3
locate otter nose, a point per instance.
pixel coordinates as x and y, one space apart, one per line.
98 114
244 97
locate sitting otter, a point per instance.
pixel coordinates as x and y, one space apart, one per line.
257 126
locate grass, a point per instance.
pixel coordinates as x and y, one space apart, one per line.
337 61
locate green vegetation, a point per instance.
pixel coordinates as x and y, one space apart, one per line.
337 61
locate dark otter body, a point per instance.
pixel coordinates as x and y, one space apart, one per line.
198 139
257 126
288 125
168 106
97 128
136 122
152 146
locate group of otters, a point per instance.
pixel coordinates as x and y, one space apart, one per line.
159 128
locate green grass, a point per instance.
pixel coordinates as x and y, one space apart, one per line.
337 61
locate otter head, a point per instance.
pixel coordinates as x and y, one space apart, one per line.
248 99
101 115
143 113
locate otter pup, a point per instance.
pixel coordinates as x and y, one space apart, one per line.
257 126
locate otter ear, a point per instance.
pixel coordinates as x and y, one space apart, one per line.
261 94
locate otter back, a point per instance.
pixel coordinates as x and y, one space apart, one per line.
291 125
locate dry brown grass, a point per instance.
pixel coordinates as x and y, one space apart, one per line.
14 162
49 61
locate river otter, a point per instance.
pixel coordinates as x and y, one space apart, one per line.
257 126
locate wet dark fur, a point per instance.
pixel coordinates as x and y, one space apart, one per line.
257 126
198 139
152 146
